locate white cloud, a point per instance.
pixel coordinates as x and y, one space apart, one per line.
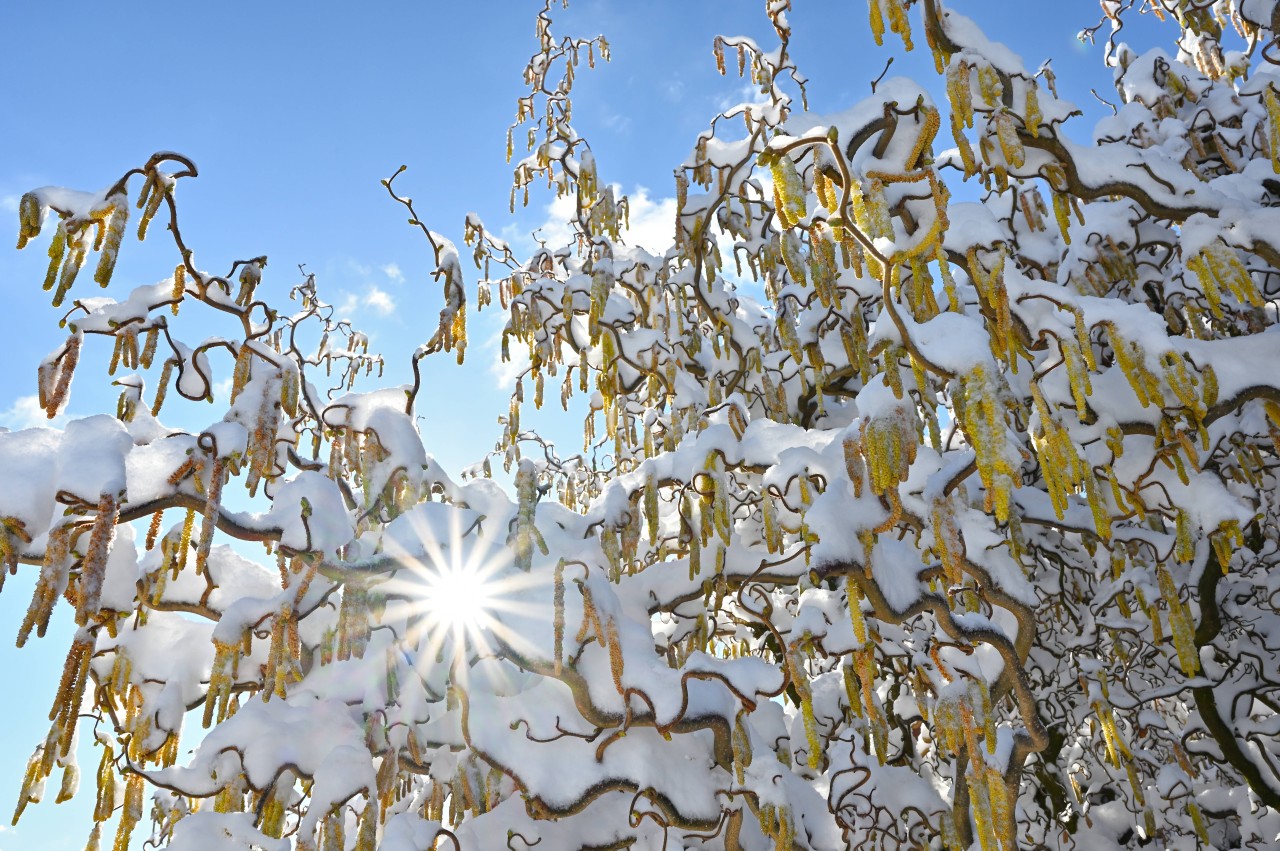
652 228
617 122
653 223
505 373
747 93
380 300
556 231
346 308
25 412
368 294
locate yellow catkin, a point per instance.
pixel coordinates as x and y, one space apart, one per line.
71 265
93 567
57 250
988 714
1032 116
30 217
179 286
1001 809
615 654
106 791
1226 264
879 221
899 23
162 386
852 690
46 591
984 422
877 22
132 812
981 807
1197 818
741 748
75 678
1228 538
273 813
1006 132
1180 624
149 201
1132 362
209 517
800 682
184 542
1273 126
990 86
221 679
1062 214
789 190
855 612
117 218
960 93
866 670
558 622
1117 750
1184 543
825 190
332 830
367 827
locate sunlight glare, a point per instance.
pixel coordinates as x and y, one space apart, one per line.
459 597
459 588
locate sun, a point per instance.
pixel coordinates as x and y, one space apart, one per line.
458 597
458 586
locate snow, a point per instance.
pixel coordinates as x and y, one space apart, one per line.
824 551
310 512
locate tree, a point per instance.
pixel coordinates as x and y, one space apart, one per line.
964 535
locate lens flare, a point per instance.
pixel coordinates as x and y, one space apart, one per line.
458 587
459 597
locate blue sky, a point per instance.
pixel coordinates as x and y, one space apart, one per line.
294 111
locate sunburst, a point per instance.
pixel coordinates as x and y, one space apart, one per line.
458 588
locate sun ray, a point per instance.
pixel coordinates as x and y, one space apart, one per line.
457 588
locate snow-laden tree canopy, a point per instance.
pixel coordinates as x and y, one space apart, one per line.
965 535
